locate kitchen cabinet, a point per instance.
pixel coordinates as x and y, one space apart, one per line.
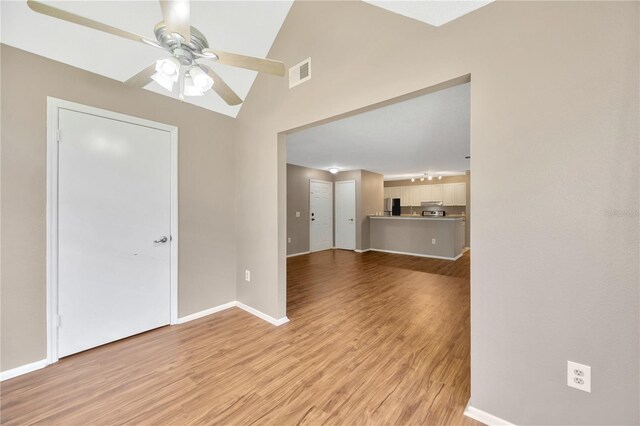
431 192
405 196
415 196
460 194
436 192
451 194
392 192
448 194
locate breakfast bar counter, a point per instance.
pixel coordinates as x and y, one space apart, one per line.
437 237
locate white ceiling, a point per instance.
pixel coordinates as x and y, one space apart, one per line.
245 27
427 134
435 13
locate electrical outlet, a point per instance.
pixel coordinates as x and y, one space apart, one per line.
247 275
297 214
579 376
433 241
289 239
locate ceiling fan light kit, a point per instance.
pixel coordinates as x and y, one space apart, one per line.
185 44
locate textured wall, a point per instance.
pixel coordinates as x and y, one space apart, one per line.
298 201
206 212
554 125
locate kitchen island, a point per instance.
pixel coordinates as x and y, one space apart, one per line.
437 237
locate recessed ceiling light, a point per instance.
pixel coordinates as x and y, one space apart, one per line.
440 177
413 179
430 177
333 170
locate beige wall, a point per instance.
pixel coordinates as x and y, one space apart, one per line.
371 202
206 194
298 201
554 123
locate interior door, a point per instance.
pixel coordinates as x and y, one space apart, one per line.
346 215
321 221
114 219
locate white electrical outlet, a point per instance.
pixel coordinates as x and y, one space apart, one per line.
433 241
247 275
289 239
297 214
579 376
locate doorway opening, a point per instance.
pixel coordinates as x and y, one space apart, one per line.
401 170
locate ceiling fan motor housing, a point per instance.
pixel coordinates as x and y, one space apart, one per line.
175 44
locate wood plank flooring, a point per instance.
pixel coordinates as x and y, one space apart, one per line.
374 339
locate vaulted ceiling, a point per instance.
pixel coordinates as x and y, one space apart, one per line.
248 28
244 27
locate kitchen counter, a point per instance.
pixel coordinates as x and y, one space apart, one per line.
438 237
415 217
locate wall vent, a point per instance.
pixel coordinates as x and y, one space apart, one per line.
300 73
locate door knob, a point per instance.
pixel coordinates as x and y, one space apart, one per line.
350 220
161 240
313 219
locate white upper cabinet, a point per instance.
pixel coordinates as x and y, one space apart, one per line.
438 192
451 194
415 196
425 192
405 196
460 194
448 194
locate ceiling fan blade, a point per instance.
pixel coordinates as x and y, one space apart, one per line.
221 88
45 9
177 17
248 62
143 77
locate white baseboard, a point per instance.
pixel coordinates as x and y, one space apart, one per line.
234 304
28 368
262 315
484 417
206 312
362 251
417 254
23 369
298 254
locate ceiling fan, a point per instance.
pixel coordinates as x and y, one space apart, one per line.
185 44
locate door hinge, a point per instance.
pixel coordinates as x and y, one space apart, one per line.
58 135
58 321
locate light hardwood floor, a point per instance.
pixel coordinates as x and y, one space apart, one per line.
373 339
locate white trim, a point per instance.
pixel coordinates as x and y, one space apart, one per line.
235 304
206 312
299 254
363 251
53 105
330 209
262 315
23 369
417 254
28 368
484 417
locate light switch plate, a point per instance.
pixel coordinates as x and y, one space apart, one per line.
297 214
579 376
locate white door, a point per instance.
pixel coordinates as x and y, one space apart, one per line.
346 215
114 222
321 228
